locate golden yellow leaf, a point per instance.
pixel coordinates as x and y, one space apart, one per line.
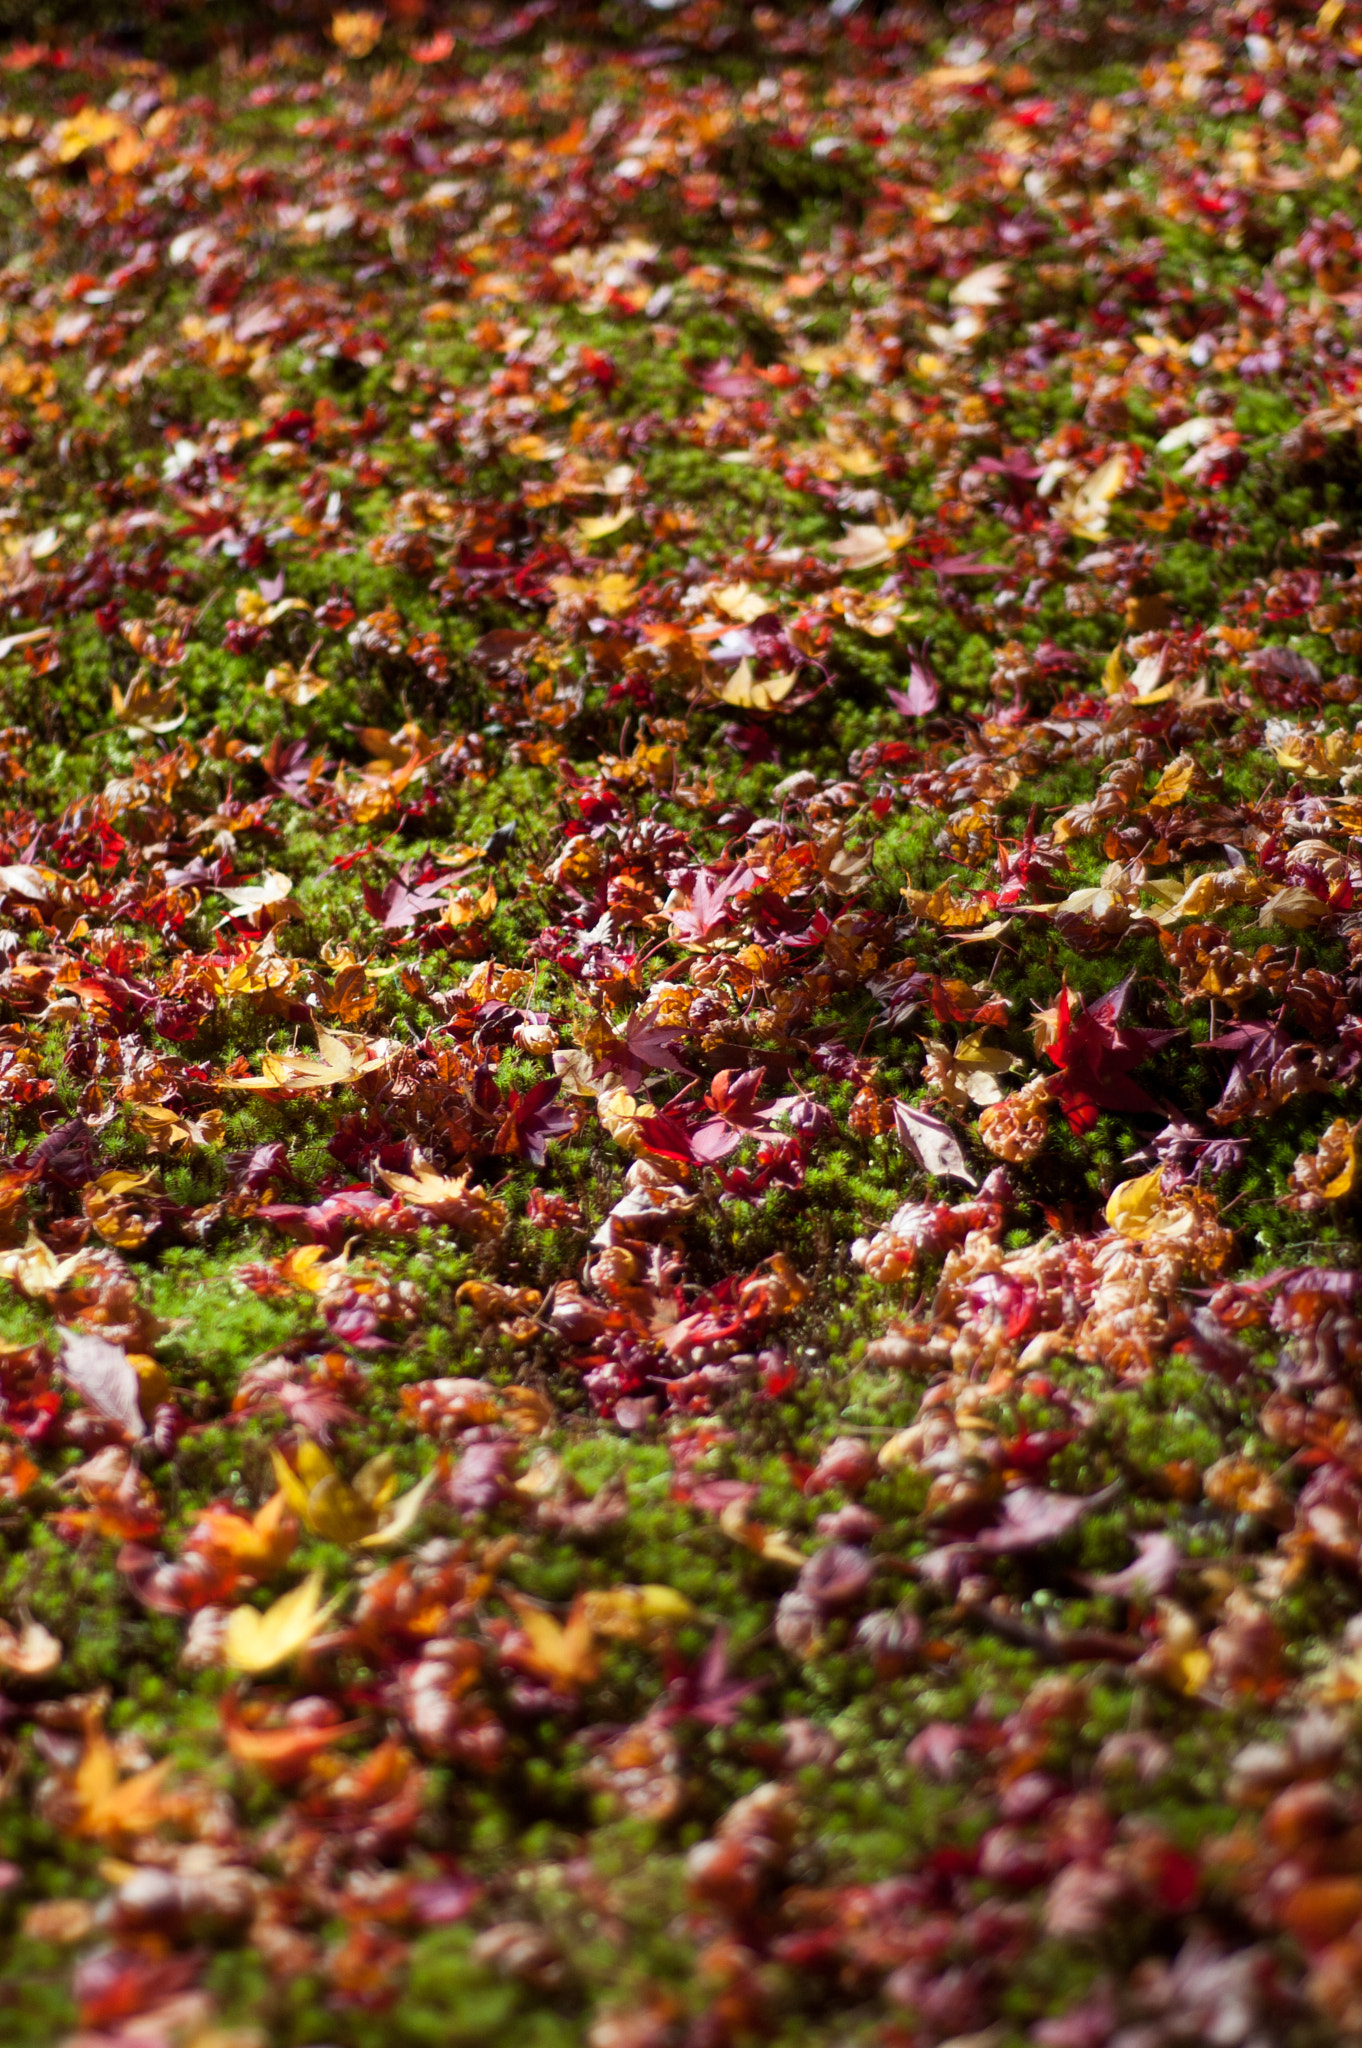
1084 510
560 1652
455 1201
605 524
260 1544
856 460
107 1810
29 1652
35 1269
292 685
635 1612
356 31
145 708
12 640
751 693
740 602
1174 783
1184 1221
869 547
772 1544
401 1516
938 906
91 128
153 1383
1345 1180
111 1203
360 1513
340 1059
1297 909
1135 1205
986 286
166 1132
259 1642
615 593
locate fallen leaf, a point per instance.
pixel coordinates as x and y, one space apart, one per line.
103 1375
932 1143
257 1642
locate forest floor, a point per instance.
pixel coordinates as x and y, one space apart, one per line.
681 960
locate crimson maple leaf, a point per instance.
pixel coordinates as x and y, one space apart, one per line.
1095 1052
415 891
646 1043
707 1691
533 1120
709 905
735 1110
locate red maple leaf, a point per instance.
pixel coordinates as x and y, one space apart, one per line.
1095 1053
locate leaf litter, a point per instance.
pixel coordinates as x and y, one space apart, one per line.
681 964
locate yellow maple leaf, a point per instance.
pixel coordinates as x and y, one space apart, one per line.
751 693
35 1269
1345 1180
1174 783
559 1651
740 602
145 708
615 593
257 1642
454 1201
260 1544
356 31
340 1059
31 1651
1134 1206
938 906
107 1810
112 1204
869 547
604 524
361 1512
635 1612
1084 510
773 1545
164 1131
91 128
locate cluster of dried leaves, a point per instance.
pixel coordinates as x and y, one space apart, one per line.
682 970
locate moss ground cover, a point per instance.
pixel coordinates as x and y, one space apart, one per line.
680 1012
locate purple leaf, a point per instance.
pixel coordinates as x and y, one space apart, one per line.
1031 1517
408 896
707 1691
539 1120
1151 1575
721 380
444 1900
938 1747
714 1140
836 1577
933 1144
648 1044
480 1480
923 693
101 1374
